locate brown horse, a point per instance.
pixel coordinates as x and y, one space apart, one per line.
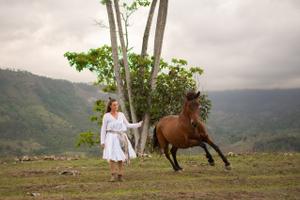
183 131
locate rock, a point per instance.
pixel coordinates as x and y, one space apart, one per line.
33 194
231 154
35 158
69 172
144 155
76 157
49 157
26 158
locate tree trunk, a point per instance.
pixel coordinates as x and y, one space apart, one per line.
158 41
114 46
146 125
147 29
126 67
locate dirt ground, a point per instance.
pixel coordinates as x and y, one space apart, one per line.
253 176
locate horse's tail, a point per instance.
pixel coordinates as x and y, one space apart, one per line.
154 139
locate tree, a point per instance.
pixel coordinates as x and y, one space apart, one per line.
160 27
135 76
173 80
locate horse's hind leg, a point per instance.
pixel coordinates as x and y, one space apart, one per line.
217 149
173 152
167 153
208 155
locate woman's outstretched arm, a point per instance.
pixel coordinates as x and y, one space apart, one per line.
131 125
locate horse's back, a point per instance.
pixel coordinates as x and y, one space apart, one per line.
168 118
167 121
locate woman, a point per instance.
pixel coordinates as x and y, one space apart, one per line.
117 149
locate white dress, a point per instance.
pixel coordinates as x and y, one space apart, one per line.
108 137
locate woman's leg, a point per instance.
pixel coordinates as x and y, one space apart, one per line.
121 170
113 170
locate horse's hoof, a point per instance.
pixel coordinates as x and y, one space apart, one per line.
211 164
227 167
179 170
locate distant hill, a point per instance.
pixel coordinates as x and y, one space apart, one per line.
256 120
43 115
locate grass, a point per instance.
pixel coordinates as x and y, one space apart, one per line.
254 176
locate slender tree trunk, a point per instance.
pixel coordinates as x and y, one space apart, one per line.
147 29
158 41
146 118
126 34
114 46
127 70
126 24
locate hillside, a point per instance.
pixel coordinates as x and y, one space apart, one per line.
43 115
259 120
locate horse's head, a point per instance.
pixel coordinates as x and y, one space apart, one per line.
191 107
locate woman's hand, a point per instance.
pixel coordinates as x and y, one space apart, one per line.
102 146
140 123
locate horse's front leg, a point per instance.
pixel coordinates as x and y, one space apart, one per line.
208 155
197 140
217 149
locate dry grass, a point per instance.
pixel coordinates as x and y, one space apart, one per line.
255 176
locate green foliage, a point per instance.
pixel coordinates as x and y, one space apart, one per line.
103 2
87 138
172 84
206 104
98 61
140 82
173 81
135 5
99 107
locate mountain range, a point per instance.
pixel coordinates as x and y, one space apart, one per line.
41 115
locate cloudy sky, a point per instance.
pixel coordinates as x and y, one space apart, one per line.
238 43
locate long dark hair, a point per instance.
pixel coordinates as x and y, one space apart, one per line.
108 108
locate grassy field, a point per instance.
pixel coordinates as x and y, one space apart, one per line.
253 176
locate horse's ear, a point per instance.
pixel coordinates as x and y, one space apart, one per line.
192 95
